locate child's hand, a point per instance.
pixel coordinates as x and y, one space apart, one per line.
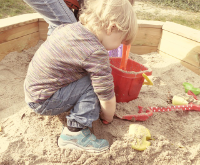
104 122
108 109
104 119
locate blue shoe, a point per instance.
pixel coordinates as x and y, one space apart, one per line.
85 140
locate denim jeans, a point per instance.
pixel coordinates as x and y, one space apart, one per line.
54 12
79 96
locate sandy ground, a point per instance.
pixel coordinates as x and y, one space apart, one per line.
29 139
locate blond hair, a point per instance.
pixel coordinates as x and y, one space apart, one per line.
100 14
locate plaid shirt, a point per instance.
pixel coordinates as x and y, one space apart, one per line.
70 53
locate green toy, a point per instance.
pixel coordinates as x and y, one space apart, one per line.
190 87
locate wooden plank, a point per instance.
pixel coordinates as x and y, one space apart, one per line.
185 64
17 32
41 19
18 44
180 47
148 37
181 30
16 21
150 24
143 49
43 29
149 31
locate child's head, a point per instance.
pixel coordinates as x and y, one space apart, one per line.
116 16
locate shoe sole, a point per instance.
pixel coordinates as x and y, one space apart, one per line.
71 145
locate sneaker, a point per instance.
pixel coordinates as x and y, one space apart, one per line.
84 140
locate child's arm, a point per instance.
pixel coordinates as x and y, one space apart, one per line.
108 109
98 66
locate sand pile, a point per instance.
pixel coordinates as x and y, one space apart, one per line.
27 138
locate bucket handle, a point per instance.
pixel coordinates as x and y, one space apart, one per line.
148 81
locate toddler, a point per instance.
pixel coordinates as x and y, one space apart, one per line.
71 71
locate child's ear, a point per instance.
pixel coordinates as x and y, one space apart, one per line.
111 28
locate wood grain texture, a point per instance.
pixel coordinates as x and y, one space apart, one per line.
183 31
43 29
147 37
180 47
19 31
16 21
150 24
143 49
18 44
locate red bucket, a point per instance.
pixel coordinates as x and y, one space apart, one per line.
128 83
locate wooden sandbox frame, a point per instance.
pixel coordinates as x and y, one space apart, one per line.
167 38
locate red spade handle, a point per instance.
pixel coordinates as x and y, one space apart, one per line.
177 107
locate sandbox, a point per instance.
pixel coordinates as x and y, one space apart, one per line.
172 52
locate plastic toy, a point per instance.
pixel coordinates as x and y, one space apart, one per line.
141 116
128 83
179 101
182 104
176 108
148 82
190 87
192 94
140 135
128 76
125 55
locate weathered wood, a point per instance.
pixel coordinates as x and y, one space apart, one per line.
41 19
16 21
43 29
143 49
180 47
148 37
185 64
183 31
150 24
18 44
17 32
149 32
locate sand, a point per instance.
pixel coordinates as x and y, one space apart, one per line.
28 139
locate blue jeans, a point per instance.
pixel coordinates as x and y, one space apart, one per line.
54 12
79 96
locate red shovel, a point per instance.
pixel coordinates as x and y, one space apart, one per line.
125 55
141 116
149 112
